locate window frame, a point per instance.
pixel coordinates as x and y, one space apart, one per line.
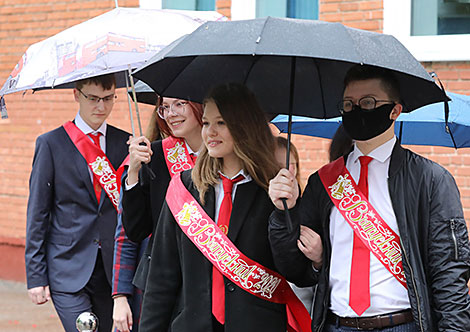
397 22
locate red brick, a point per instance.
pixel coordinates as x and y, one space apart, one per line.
352 16
347 7
370 5
328 8
458 85
332 17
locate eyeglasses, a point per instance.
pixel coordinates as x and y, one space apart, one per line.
177 108
95 100
366 103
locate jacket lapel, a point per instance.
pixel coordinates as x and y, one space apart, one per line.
244 198
81 166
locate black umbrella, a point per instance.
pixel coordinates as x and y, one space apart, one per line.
292 66
144 94
261 53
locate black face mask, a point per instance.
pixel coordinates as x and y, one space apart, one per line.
363 125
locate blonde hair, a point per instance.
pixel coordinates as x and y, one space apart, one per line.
253 141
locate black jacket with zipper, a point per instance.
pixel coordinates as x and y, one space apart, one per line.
434 242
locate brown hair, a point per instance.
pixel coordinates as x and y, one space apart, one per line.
153 131
388 80
282 142
107 82
196 108
253 141
340 145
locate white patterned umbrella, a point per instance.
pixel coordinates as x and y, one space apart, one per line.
105 44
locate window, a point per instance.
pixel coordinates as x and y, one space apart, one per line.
179 4
432 30
249 9
440 17
287 8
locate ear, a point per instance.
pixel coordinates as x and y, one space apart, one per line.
76 94
396 111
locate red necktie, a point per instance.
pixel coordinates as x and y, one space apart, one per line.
193 157
218 289
96 184
359 288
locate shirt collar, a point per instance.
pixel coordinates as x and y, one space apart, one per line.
190 151
381 153
86 129
246 176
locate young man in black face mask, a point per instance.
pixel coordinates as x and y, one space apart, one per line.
383 233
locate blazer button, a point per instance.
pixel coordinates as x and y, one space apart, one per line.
230 287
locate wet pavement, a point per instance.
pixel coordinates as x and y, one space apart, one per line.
19 314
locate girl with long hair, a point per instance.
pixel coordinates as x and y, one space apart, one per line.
180 122
185 292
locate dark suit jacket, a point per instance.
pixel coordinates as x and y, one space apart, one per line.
142 206
65 224
178 293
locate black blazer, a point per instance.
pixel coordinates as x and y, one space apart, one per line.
65 223
179 285
141 208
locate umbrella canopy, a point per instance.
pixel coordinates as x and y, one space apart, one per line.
424 126
289 64
144 94
105 44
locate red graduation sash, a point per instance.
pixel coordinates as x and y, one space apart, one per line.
365 221
176 154
231 262
100 166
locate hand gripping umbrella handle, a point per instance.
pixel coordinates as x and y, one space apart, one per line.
286 211
145 167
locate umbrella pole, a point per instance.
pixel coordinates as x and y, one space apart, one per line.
130 106
116 3
289 134
144 165
135 101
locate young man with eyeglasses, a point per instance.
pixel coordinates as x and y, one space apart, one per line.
71 215
383 226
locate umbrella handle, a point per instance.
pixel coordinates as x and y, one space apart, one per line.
288 219
146 168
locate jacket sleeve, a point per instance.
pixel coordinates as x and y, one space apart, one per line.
289 260
164 278
449 256
41 194
125 260
137 215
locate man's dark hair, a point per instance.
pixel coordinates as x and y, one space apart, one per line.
366 72
107 82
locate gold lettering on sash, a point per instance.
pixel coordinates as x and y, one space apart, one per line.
381 240
176 156
204 234
101 168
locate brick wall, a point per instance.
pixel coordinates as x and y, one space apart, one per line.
25 22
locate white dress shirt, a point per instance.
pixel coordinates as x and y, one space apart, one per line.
219 190
387 294
86 129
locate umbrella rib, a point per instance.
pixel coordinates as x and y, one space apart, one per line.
321 87
258 40
255 60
